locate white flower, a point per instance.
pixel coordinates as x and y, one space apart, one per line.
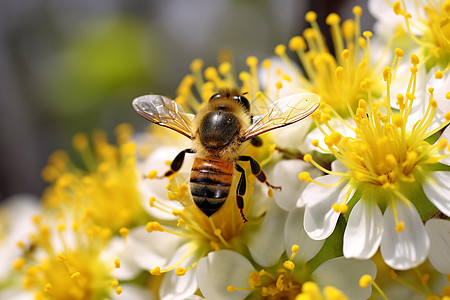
16 222
226 274
380 173
178 249
425 22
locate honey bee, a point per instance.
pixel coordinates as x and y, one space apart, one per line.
219 133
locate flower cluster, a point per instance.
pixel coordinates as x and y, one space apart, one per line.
364 205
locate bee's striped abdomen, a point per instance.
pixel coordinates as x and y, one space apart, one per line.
210 183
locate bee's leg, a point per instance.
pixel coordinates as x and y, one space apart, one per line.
257 171
177 162
240 191
256 141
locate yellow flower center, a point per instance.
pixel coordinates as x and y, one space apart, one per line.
334 78
384 151
280 282
100 191
284 282
75 273
435 30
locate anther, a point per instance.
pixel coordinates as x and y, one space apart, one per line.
310 16
251 61
315 143
397 8
75 275
304 176
438 75
367 34
155 271
48 287
124 232
333 19
196 65
297 43
154 226
114 282
152 174
181 222
280 49
365 280
399 52
340 73
211 73
180 271
307 158
224 68
289 265
340 208
244 76
117 263
400 226
442 144
386 73
414 59
80 141
60 257
19 263
345 53
357 10
266 63
119 290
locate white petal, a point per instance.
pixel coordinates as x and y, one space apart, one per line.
439 233
285 174
174 287
116 248
293 136
266 245
295 234
152 249
364 230
437 189
320 217
408 248
440 90
345 274
133 292
16 222
16 294
272 75
220 269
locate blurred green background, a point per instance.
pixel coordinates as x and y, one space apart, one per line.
75 65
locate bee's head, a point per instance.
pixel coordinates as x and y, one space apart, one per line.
234 95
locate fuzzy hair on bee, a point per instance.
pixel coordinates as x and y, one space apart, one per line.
219 126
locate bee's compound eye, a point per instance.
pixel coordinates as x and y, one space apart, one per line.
243 101
215 96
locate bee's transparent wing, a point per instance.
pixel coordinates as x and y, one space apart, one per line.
282 112
165 112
